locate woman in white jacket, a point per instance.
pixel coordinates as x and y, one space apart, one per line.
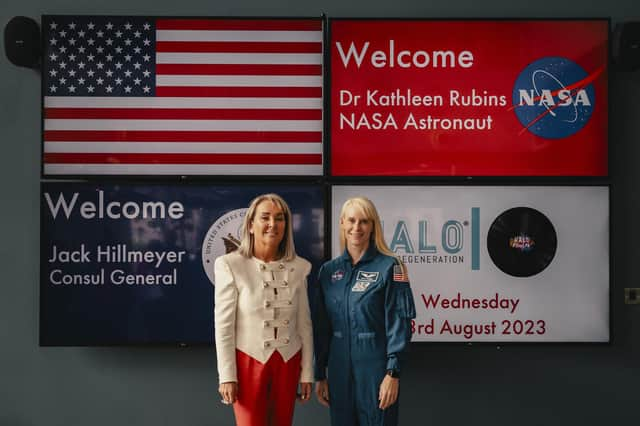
263 331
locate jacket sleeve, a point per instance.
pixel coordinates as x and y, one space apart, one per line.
399 311
226 302
321 329
305 330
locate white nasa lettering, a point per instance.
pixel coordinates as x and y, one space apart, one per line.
375 121
546 98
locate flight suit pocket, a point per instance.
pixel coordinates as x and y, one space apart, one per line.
367 345
365 336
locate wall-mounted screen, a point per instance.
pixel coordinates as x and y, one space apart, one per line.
499 264
468 97
133 263
160 96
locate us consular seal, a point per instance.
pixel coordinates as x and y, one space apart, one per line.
222 237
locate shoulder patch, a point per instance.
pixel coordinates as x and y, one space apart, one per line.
399 274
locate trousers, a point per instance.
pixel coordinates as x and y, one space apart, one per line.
266 392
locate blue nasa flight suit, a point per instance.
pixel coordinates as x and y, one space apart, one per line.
362 328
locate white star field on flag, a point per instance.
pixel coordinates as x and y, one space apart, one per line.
108 56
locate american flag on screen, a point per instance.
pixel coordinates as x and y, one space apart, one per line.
148 96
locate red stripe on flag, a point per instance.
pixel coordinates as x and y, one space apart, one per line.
179 136
238 47
183 114
164 158
240 24
233 69
239 92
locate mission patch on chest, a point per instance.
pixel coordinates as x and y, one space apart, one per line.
367 276
360 286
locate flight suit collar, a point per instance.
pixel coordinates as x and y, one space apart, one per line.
371 252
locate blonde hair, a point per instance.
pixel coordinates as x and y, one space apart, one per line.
286 248
367 208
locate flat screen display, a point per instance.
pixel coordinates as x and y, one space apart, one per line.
498 264
468 97
133 263
136 95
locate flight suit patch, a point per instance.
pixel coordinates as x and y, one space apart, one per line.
337 275
360 286
367 276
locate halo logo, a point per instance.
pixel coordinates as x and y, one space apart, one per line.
436 241
554 97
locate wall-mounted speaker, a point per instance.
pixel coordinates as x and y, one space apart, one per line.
626 46
22 42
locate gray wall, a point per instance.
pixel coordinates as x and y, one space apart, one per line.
448 385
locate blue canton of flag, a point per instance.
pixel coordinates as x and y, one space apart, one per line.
99 56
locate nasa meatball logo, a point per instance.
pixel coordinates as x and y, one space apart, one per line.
222 237
554 97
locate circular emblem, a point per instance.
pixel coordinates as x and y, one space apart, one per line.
222 237
522 242
553 97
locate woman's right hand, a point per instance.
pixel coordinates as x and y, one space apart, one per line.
322 392
228 392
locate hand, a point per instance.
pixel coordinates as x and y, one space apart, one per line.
322 392
388 392
305 392
228 392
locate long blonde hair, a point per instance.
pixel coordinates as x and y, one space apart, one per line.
286 248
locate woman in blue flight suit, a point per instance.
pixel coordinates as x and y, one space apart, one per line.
362 314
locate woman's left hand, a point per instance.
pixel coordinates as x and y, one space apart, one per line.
305 392
388 391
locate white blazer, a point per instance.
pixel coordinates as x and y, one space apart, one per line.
252 298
